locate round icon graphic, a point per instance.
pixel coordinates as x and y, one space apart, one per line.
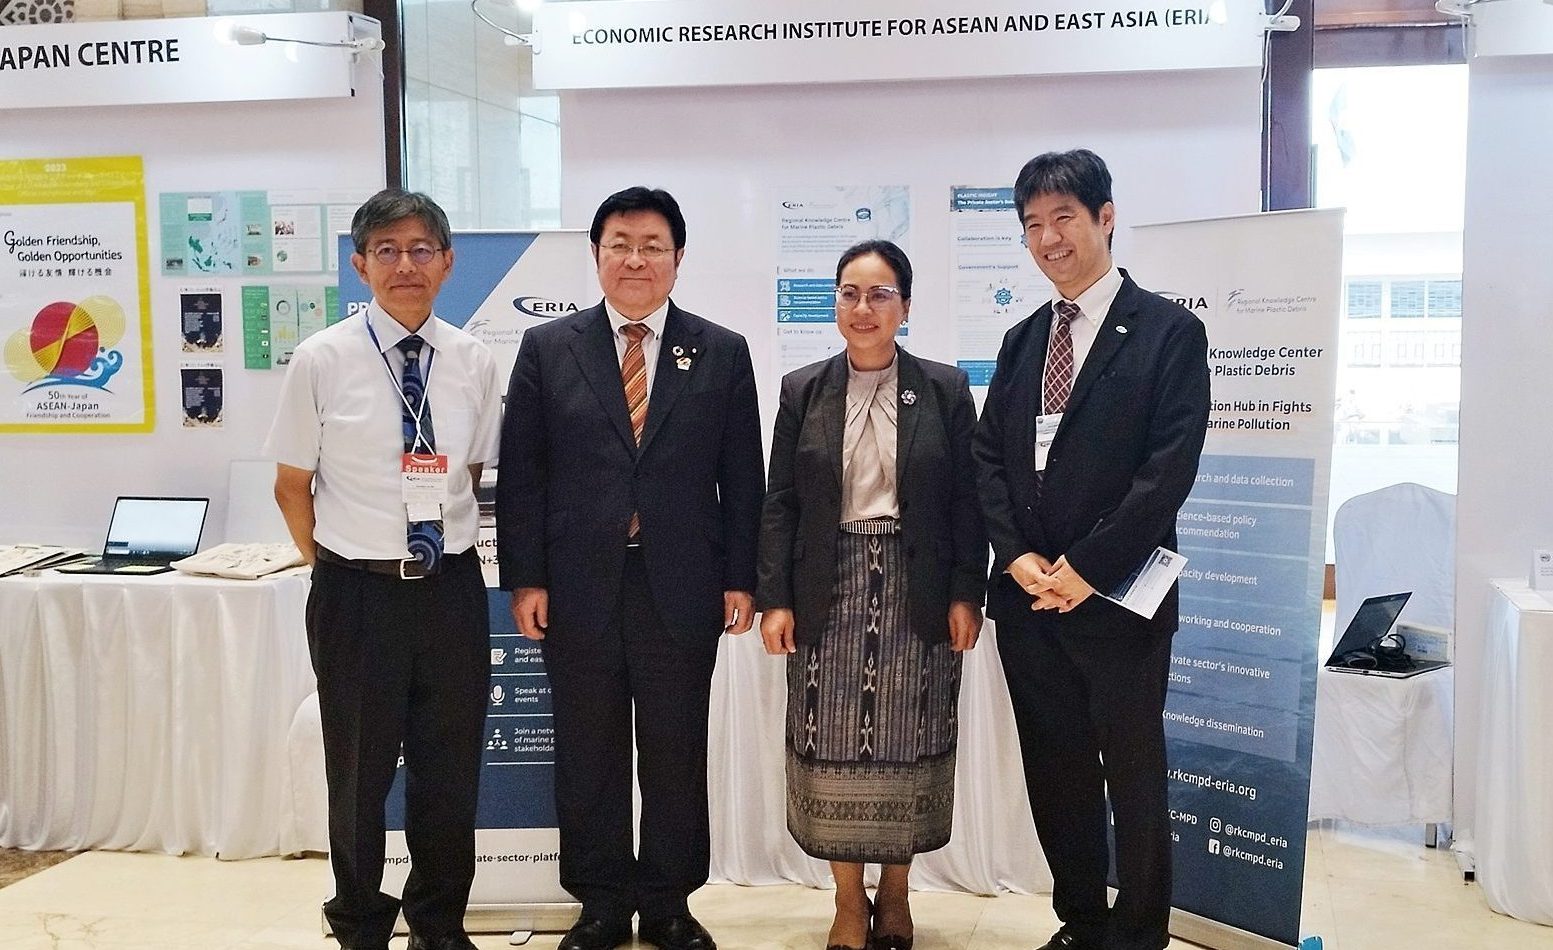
64 339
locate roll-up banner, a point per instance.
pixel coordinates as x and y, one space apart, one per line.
502 284
1241 708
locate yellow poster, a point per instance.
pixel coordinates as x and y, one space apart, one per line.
75 296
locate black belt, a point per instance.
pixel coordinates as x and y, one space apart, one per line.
405 569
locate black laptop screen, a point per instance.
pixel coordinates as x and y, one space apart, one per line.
1373 618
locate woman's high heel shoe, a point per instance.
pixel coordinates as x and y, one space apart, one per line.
887 941
868 941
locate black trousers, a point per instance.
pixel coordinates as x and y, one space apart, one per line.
597 680
1089 713
401 664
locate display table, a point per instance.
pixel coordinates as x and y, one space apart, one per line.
151 713
1514 830
1383 748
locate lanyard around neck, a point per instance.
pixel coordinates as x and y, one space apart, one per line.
416 412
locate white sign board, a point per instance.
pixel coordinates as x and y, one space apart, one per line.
1512 28
147 62
620 43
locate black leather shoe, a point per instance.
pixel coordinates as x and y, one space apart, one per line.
447 942
591 933
1066 939
683 932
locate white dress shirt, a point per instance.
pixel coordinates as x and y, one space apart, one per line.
340 418
1094 305
654 323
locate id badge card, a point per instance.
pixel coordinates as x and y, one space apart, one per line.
423 481
1045 432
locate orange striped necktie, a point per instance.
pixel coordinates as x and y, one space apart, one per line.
633 373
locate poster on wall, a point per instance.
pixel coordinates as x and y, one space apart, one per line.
200 309
1239 718
75 314
814 225
248 233
276 317
992 285
203 393
503 284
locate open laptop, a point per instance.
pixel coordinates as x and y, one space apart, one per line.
1373 620
146 535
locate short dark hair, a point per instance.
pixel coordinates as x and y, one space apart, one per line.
1080 173
392 205
640 198
890 253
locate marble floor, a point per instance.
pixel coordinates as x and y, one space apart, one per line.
1364 890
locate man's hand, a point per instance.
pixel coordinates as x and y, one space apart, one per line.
1071 589
738 611
776 631
1033 573
964 625
531 611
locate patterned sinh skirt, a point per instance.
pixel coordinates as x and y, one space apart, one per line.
871 719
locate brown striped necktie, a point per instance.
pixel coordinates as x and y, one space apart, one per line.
1057 384
633 372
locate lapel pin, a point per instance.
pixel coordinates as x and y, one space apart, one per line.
1120 329
909 397
679 351
683 362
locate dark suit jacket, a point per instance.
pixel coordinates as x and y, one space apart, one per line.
571 473
1122 463
946 549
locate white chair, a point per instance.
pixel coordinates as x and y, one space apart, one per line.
305 819
1383 747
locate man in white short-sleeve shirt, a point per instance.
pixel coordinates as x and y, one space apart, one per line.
384 424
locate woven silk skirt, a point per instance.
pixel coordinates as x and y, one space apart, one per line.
872 714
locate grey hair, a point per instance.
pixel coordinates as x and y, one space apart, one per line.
392 205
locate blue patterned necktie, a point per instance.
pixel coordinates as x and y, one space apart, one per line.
425 537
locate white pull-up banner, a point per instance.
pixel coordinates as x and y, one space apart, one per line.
1239 718
620 43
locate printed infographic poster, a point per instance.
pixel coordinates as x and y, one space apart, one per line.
277 317
246 233
993 283
814 225
75 312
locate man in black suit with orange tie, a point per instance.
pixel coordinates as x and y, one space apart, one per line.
1087 447
627 511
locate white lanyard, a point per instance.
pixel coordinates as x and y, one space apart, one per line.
416 412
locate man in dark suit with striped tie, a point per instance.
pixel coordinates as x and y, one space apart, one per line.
628 506
1087 447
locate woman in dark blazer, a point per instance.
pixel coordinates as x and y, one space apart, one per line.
872 572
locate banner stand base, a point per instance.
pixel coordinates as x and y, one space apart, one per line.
519 920
1219 936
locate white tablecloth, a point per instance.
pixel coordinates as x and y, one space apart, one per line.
149 714
1383 748
1514 843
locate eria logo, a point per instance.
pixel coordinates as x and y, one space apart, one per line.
1189 301
1235 296
543 307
